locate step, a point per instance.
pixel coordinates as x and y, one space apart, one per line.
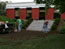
37 25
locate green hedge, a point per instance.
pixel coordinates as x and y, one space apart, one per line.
62 30
56 22
13 21
2 18
26 24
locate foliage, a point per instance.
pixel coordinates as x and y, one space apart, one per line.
47 2
56 22
13 21
26 24
2 8
39 1
62 30
61 5
2 18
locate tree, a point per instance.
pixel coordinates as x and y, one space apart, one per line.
2 8
39 1
47 2
60 4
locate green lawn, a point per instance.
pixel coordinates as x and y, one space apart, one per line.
49 42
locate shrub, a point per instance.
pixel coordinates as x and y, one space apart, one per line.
54 27
27 23
62 30
56 22
12 21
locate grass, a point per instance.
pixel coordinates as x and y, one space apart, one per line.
49 42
